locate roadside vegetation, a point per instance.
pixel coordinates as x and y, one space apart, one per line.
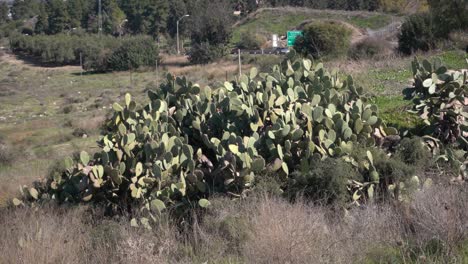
344 150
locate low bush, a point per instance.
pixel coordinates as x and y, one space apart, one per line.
413 151
251 40
417 33
103 53
326 181
205 53
134 53
7 154
369 48
324 39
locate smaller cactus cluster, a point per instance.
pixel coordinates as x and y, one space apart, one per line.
440 98
189 141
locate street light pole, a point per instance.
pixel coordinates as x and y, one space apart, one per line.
178 49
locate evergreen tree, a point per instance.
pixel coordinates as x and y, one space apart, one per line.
24 9
156 13
58 19
449 16
113 17
177 9
211 22
42 25
79 11
4 10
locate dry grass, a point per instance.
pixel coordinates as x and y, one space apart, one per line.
440 215
258 230
59 235
286 233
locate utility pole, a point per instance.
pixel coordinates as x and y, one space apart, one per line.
100 17
178 49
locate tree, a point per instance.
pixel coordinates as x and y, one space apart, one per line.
24 9
449 16
79 11
42 24
156 13
416 34
4 10
59 19
113 17
177 8
211 22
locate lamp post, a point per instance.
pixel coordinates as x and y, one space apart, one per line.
178 49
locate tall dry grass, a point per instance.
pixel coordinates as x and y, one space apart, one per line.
429 229
72 235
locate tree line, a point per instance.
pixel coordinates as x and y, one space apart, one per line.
152 17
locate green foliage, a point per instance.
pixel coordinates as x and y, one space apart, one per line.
326 181
211 29
251 40
177 9
368 48
134 53
24 9
188 142
417 33
4 10
440 99
9 28
392 170
324 39
449 16
57 16
384 255
393 5
413 151
147 16
205 53
98 53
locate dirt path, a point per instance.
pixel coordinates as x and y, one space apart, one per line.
13 59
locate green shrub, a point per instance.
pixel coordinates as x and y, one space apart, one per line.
7 154
413 151
251 40
324 39
392 170
417 33
369 48
98 53
205 53
326 181
133 53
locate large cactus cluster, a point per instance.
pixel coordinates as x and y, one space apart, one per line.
189 142
441 99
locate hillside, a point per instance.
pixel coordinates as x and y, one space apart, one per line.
267 21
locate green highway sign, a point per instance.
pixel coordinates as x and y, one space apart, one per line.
292 35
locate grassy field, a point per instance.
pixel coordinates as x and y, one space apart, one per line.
278 21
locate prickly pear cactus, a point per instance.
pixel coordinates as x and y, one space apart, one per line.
188 142
440 98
